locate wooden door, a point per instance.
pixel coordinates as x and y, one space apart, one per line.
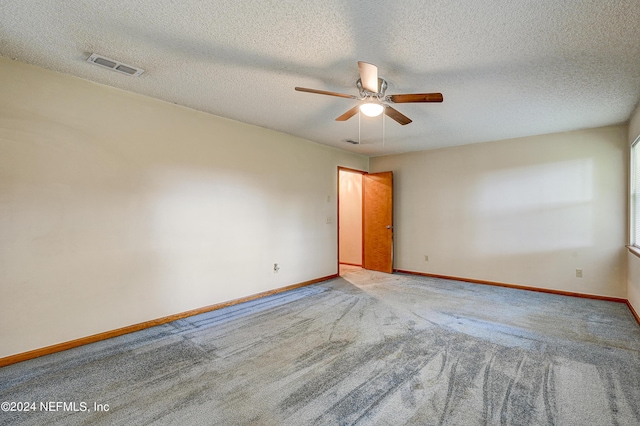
378 221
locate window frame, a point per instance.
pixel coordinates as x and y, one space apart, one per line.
634 194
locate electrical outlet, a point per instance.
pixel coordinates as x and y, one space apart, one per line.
578 273
426 258
328 198
329 219
276 268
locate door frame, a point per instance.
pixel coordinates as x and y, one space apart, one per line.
361 172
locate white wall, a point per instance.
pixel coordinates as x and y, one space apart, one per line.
633 262
116 208
526 211
350 217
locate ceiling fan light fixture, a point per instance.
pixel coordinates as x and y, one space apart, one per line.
371 109
372 99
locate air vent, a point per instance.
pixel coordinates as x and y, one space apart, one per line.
351 141
114 65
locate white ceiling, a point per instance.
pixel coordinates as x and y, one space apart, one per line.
506 68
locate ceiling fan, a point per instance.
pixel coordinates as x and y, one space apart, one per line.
372 97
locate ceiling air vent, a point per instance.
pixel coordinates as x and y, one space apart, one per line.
114 65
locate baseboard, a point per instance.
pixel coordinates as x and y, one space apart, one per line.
519 287
12 359
633 312
351 264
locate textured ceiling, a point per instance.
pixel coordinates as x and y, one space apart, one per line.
506 68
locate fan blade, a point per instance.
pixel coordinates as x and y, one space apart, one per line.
416 97
324 92
368 76
347 115
397 115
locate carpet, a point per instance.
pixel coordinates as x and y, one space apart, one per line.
366 348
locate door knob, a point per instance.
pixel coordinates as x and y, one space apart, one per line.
389 226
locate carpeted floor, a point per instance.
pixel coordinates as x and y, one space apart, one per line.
367 348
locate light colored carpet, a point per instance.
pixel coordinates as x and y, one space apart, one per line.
368 348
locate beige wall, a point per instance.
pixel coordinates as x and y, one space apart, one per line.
116 208
526 211
633 271
350 217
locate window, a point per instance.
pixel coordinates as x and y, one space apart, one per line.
635 193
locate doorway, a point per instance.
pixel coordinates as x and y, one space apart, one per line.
350 217
365 220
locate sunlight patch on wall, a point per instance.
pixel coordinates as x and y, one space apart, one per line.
196 211
538 208
203 224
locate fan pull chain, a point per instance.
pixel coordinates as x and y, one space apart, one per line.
383 121
359 141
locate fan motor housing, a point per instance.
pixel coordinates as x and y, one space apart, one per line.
382 88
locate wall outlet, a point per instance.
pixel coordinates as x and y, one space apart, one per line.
328 198
426 257
579 273
276 268
329 219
